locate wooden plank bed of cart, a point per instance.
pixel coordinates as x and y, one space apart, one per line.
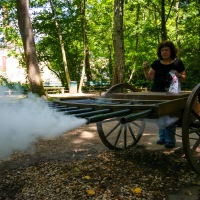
120 114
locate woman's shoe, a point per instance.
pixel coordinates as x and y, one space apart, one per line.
160 142
169 145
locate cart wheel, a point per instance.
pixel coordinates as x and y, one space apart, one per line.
191 129
118 136
121 88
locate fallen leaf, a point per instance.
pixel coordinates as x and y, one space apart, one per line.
90 192
76 169
137 191
87 177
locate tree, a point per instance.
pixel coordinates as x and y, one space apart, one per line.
118 41
5 22
177 25
136 43
61 43
48 43
26 32
142 32
86 64
100 41
163 21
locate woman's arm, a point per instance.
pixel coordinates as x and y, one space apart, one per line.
181 76
148 74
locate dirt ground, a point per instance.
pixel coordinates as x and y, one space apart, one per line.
84 142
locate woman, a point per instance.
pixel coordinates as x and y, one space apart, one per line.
159 71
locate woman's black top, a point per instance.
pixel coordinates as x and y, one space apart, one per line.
162 74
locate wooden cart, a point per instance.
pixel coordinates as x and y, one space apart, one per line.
121 113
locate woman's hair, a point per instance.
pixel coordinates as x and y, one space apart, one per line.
169 44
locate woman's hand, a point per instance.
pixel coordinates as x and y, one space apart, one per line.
145 65
177 74
148 74
181 76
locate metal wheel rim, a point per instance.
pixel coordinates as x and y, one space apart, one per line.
190 133
120 136
122 87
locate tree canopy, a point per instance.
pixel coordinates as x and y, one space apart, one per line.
145 24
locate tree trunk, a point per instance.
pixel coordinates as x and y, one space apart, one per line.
26 32
87 56
177 27
136 45
61 43
5 24
86 64
118 41
156 23
163 22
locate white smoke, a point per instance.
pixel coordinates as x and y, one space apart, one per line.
163 122
23 121
166 121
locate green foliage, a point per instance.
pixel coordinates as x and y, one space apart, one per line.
48 46
100 26
20 87
142 22
147 28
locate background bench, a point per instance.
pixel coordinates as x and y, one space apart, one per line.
100 86
53 87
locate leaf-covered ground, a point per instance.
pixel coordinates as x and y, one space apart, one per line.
131 174
77 166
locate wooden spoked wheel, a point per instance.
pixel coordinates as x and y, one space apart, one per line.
191 129
121 88
118 136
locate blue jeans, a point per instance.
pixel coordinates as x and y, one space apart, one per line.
168 135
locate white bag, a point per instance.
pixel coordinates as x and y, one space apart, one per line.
175 86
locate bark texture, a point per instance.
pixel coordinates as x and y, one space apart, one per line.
118 40
26 32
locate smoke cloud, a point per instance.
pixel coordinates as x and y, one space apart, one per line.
163 122
24 121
